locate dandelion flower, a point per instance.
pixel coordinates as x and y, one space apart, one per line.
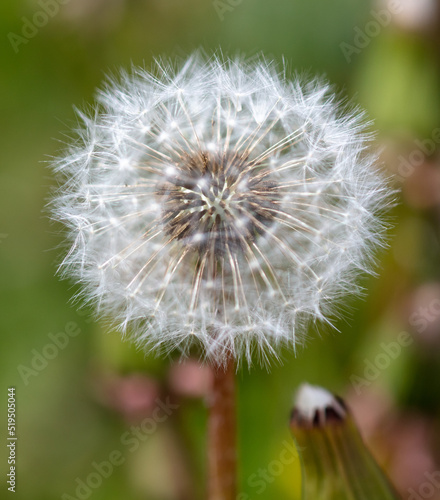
215 202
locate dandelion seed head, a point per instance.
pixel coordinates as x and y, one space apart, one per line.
204 207
214 202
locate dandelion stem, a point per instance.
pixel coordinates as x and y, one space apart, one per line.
222 442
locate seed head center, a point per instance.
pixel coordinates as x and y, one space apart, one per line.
217 204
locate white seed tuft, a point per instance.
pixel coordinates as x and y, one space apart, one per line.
215 202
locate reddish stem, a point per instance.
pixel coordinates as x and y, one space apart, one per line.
222 440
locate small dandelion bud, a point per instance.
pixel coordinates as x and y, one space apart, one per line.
216 203
335 461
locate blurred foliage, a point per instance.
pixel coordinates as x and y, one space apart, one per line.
63 426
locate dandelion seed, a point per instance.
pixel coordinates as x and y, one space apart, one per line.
219 204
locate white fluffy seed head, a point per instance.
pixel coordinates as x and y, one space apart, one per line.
214 202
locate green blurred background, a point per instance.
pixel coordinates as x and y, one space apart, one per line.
74 408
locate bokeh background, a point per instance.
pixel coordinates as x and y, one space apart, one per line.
77 401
